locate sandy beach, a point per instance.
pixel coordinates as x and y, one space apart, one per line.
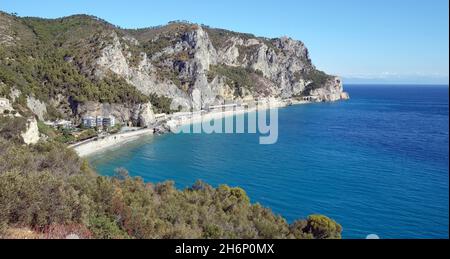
99 144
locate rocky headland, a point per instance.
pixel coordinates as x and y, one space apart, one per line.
81 65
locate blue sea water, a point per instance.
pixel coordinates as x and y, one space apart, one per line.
377 164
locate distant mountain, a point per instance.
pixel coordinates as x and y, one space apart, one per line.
81 64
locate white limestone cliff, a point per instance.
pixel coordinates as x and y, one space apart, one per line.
282 63
31 133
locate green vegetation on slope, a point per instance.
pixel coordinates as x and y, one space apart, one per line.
43 72
219 38
318 79
10 128
50 190
161 104
67 29
51 62
171 30
47 187
237 77
154 46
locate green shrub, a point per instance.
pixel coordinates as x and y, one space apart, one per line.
218 37
4 89
40 65
47 130
11 128
65 137
87 134
322 227
154 46
161 104
318 80
46 185
104 228
237 77
129 208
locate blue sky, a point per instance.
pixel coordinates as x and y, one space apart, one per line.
373 41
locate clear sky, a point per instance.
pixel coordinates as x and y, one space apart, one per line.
369 41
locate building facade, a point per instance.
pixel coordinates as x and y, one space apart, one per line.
109 122
99 121
89 122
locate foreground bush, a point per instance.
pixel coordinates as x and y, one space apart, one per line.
55 193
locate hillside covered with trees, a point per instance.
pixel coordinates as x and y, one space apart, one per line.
69 61
67 68
50 191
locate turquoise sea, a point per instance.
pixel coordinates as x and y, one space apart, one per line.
377 164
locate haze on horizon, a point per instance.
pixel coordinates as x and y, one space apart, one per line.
402 41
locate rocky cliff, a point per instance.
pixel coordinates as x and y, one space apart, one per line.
91 66
31 133
195 72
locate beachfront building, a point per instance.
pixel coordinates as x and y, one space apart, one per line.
109 122
65 124
89 122
99 121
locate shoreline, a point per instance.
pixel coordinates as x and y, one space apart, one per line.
101 144
196 119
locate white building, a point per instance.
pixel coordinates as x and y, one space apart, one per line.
89 122
65 124
109 122
99 121
60 123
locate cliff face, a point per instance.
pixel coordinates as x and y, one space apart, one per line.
192 66
138 114
31 133
200 73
